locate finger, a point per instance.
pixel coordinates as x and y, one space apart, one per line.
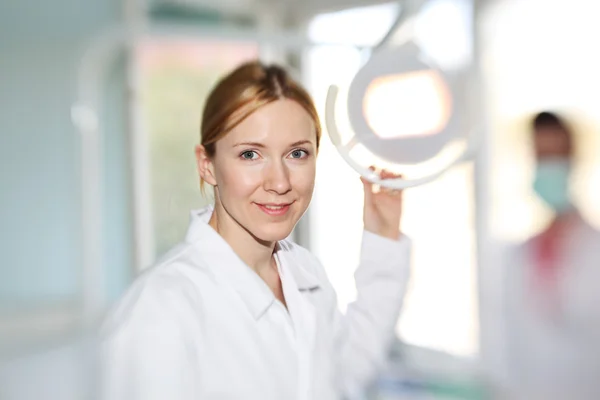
385 174
369 187
365 181
362 178
373 169
391 191
368 191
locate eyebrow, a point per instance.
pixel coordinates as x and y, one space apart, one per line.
260 145
300 142
253 144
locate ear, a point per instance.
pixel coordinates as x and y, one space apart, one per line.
205 166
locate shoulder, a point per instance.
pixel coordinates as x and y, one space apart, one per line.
161 295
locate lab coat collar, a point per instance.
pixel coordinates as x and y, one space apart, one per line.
221 259
305 280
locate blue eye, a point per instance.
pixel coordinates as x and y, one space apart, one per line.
299 153
249 155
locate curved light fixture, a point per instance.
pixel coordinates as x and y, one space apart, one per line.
403 110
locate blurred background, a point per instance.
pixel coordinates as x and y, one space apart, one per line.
90 199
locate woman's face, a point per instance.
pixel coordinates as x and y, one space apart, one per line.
264 170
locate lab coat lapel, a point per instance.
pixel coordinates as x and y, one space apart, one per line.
216 253
298 283
305 281
303 317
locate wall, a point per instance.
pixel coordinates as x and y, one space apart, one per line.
40 201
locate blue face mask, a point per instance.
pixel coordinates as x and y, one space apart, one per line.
552 183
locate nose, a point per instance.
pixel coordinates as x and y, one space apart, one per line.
277 178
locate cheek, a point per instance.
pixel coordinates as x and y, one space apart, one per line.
237 181
303 178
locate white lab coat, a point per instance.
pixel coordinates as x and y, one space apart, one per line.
202 325
554 354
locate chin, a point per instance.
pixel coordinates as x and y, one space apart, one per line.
273 229
272 233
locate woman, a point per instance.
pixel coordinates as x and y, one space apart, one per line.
236 311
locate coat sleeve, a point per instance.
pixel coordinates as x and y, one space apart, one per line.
143 352
363 335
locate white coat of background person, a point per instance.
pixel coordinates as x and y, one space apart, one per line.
236 311
552 286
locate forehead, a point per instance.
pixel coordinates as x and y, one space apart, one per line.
278 123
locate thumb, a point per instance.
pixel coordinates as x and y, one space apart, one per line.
368 185
368 189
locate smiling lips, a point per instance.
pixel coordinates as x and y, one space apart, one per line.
274 209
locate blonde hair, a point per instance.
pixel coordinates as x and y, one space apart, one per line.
245 90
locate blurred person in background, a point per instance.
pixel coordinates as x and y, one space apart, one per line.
236 311
553 285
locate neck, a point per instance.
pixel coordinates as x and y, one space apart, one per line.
566 216
254 252
563 220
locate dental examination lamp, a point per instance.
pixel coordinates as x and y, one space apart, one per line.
403 111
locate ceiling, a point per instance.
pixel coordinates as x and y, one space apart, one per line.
290 11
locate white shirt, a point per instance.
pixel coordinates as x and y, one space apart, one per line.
202 325
552 339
